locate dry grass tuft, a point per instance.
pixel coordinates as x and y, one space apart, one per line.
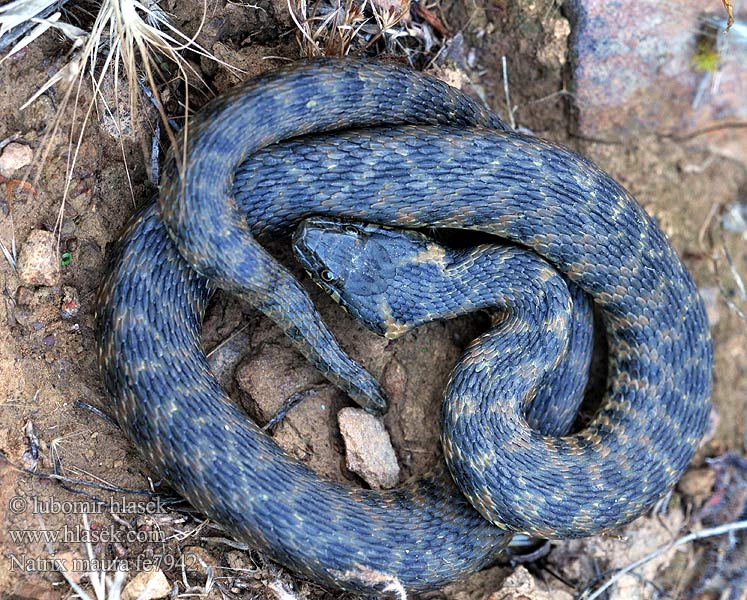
360 27
132 43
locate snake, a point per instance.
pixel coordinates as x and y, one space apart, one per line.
380 143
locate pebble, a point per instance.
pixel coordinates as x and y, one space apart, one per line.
38 262
15 156
48 340
369 451
68 228
521 585
70 302
71 244
147 585
710 296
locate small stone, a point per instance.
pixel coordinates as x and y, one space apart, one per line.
369 451
72 244
70 302
22 315
39 263
81 202
48 341
223 358
553 53
454 76
68 228
710 296
521 585
147 585
15 156
273 375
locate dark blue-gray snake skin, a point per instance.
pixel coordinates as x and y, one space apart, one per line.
422 155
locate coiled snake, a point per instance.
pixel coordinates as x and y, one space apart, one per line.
423 155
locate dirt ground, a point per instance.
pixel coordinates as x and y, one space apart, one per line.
49 377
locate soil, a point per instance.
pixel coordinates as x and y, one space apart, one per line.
49 381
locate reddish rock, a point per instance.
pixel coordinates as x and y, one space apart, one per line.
653 66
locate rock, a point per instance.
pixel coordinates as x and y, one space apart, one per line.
651 66
522 586
553 53
15 156
80 203
39 263
68 228
147 585
70 302
273 375
369 450
453 76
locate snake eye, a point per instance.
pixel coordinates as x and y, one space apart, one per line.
327 275
351 229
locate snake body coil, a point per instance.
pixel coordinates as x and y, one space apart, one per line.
425 155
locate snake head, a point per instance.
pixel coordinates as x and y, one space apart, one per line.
360 267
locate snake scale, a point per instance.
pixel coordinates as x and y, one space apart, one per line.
422 155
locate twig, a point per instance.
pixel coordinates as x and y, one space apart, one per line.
510 110
724 293
730 13
107 488
704 130
96 411
699 535
715 207
227 340
24 12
